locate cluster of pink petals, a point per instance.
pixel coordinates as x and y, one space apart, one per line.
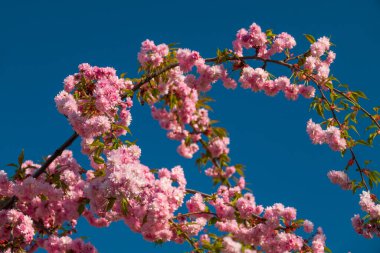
330 136
340 178
218 146
151 54
187 59
230 246
369 206
253 38
369 228
208 75
281 42
55 244
265 234
92 101
53 199
314 64
195 223
256 39
177 118
366 229
227 173
319 47
146 204
6 186
308 226
15 227
318 243
258 80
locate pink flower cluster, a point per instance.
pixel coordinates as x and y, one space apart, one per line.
218 146
195 223
318 243
367 230
264 234
370 227
330 136
214 172
145 203
92 102
258 80
340 178
256 39
187 59
16 229
369 206
184 113
308 226
230 246
55 244
314 64
253 38
6 186
53 198
151 54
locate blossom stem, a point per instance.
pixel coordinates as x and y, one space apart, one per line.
205 195
340 126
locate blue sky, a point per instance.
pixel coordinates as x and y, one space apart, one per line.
43 41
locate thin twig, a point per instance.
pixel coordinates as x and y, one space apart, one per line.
360 107
184 235
205 195
195 213
340 127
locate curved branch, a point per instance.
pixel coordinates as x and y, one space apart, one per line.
340 126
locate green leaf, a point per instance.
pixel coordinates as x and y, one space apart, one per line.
354 128
361 94
111 202
327 250
310 38
219 131
124 205
269 33
21 157
98 160
81 208
362 142
99 173
320 110
212 221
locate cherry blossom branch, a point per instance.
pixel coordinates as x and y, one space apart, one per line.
185 236
340 126
56 154
10 202
215 59
205 195
359 106
195 213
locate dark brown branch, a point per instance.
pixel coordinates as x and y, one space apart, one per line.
10 202
205 195
195 213
57 153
